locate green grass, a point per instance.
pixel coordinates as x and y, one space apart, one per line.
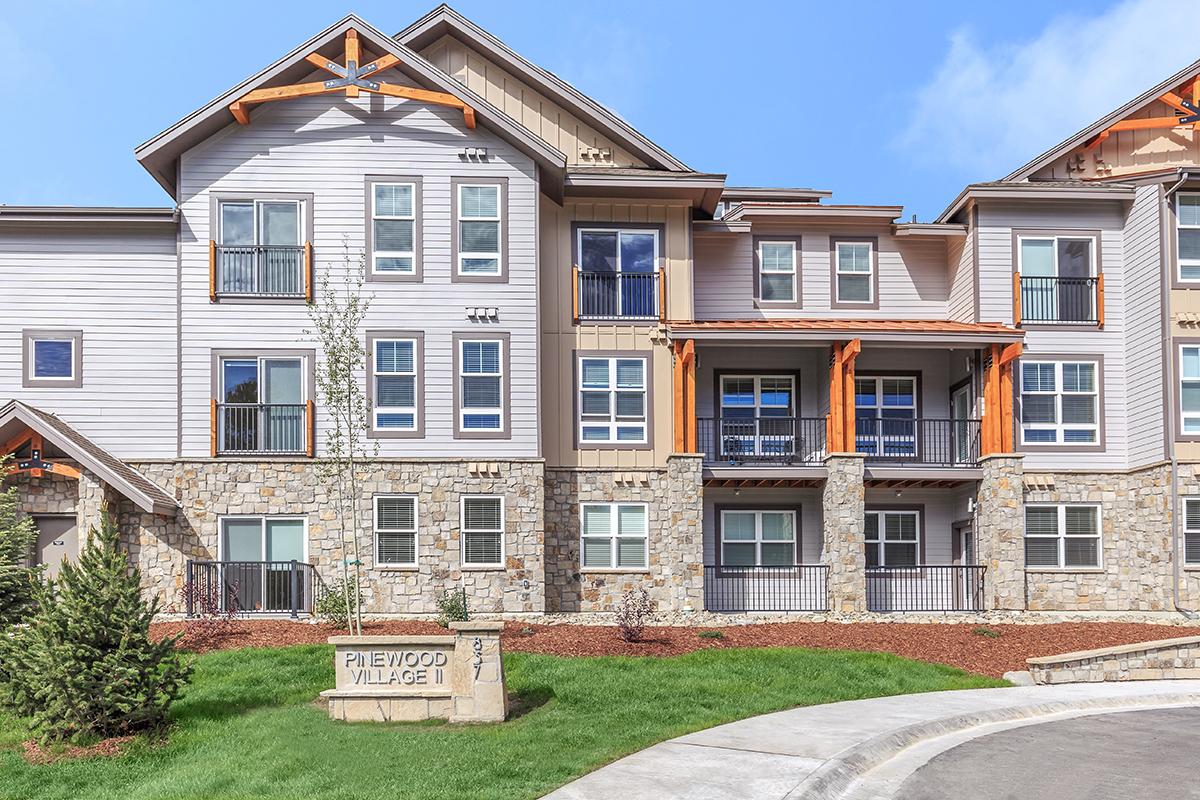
248 727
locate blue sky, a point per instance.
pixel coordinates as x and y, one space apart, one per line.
880 102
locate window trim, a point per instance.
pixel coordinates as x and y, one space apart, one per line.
1178 343
834 300
797 273
455 201
29 336
416 532
896 508
614 537
1075 358
1184 532
577 403
505 340
222 518
1097 266
758 509
762 269
417 274
916 377
418 338
1061 536
463 530
1177 279
305 218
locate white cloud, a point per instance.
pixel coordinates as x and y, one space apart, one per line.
991 108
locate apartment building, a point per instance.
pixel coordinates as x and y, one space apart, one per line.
591 367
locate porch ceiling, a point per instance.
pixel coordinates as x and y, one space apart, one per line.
763 483
898 331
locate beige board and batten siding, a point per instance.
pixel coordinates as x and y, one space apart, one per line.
116 284
913 280
530 108
326 146
561 338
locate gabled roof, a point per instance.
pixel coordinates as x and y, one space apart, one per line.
113 471
445 20
159 154
1077 139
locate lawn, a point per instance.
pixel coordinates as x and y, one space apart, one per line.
248 725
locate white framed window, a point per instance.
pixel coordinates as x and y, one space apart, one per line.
395 523
277 223
612 400
394 394
777 271
1060 402
752 538
482 530
854 269
1187 223
1191 530
481 378
393 228
53 358
1189 389
893 538
1062 536
479 235
885 413
614 535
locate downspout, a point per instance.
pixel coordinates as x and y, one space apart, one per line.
1169 387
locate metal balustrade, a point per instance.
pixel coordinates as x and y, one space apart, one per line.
927 442
790 588
925 587
618 295
251 587
269 271
254 428
1067 300
761 440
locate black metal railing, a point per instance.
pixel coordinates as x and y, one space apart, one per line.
793 588
262 428
929 442
260 270
926 587
1050 299
251 587
618 295
761 440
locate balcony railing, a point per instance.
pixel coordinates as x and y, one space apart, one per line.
619 295
762 440
251 587
791 588
262 428
1078 301
926 442
260 271
926 587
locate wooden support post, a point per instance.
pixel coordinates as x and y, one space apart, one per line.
835 428
991 395
1007 426
575 294
662 294
689 374
849 416
308 272
212 428
1016 299
353 56
1100 300
677 384
212 271
310 429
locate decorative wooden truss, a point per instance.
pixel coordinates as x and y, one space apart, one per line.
351 78
1186 114
34 465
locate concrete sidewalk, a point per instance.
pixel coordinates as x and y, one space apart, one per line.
826 751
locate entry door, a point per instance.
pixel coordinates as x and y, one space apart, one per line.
58 539
960 411
966 587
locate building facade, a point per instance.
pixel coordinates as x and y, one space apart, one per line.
591 368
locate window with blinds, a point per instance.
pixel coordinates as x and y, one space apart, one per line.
614 535
395 388
479 229
483 531
1191 530
612 400
396 531
893 538
1059 402
482 378
393 228
1062 536
752 538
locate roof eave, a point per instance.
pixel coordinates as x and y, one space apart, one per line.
1032 191
87 214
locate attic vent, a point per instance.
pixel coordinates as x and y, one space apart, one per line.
596 155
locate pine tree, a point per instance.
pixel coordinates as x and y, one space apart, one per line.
85 666
17 535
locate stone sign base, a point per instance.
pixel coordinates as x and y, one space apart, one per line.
406 678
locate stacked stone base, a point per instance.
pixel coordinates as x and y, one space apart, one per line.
1163 659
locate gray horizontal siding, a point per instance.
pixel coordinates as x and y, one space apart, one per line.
1144 278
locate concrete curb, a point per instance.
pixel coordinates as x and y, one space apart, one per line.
836 777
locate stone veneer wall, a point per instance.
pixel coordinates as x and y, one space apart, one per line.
1000 532
1189 574
674 578
844 550
1164 659
1135 532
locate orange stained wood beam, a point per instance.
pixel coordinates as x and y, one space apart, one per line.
12 444
212 271
1196 91
353 56
849 416
1100 300
689 382
1008 356
285 92
426 96
39 445
308 272
662 294
310 444
677 385
574 293
212 428
834 428
1016 299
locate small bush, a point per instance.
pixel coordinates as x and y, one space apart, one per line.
330 605
990 633
711 635
452 607
18 582
211 618
635 607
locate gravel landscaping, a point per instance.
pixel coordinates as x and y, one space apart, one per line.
984 649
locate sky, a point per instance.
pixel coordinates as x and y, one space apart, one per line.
879 102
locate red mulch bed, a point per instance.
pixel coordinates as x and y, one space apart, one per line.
959 645
35 753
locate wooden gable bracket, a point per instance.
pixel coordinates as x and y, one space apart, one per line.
35 465
352 78
1186 114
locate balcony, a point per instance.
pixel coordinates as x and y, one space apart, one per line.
791 588
918 442
250 587
269 272
763 441
262 428
618 296
1067 301
925 587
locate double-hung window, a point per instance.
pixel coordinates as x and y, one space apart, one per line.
1187 212
1059 402
854 272
53 358
394 401
758 538
614 535
1062 536
482 531
893 538
612 400
1189 389
260 249
261 406
395 531
393 229
777 272
885 412
479 229
481 385
1058 281
1191 530
757 415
